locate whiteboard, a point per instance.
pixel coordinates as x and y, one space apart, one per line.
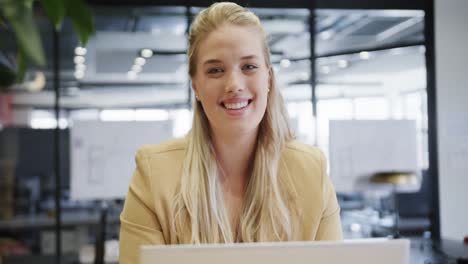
361 148
103 155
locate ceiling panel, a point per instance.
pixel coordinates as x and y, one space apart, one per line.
123 32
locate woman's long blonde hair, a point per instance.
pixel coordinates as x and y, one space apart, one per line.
268 212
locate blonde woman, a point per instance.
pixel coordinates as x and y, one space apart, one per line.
238 176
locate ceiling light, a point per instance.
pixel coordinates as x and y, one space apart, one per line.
79 74
131 75
364 55
155 31
117 115
136 68
180 29
80 51
140 61
151 115
43 123
304 76
79 59
80 67
325 69
285 63
146 53
326 35
397 51
343 63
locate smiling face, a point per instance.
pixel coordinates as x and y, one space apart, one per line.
232 79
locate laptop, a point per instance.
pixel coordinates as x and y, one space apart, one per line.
363 251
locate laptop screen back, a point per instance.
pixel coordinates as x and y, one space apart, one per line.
366 251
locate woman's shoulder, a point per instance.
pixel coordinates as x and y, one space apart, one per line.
305 164
168 147
162 161
161 166
297 150
306 167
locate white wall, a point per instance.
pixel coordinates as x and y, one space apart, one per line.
451 33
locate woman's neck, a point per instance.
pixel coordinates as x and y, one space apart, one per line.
234 154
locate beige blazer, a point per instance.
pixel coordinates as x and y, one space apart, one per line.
146 217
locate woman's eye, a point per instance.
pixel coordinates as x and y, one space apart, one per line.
214 70
249 67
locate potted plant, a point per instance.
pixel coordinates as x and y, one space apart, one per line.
18 16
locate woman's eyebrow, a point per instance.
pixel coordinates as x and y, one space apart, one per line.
212 61
248 57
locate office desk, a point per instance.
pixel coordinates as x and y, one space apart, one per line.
428 252
46 222
38 232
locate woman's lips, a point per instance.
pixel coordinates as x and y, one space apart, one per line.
236 107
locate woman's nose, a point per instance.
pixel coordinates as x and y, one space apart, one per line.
234 82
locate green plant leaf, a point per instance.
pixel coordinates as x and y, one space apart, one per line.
28 3
19 15
55 10
82 19
2 22
7 77
22 66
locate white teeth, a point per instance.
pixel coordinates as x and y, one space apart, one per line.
236 105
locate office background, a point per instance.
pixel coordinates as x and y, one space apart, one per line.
363 61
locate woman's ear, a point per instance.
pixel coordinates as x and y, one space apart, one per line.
195 90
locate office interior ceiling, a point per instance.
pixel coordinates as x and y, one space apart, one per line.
123 32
